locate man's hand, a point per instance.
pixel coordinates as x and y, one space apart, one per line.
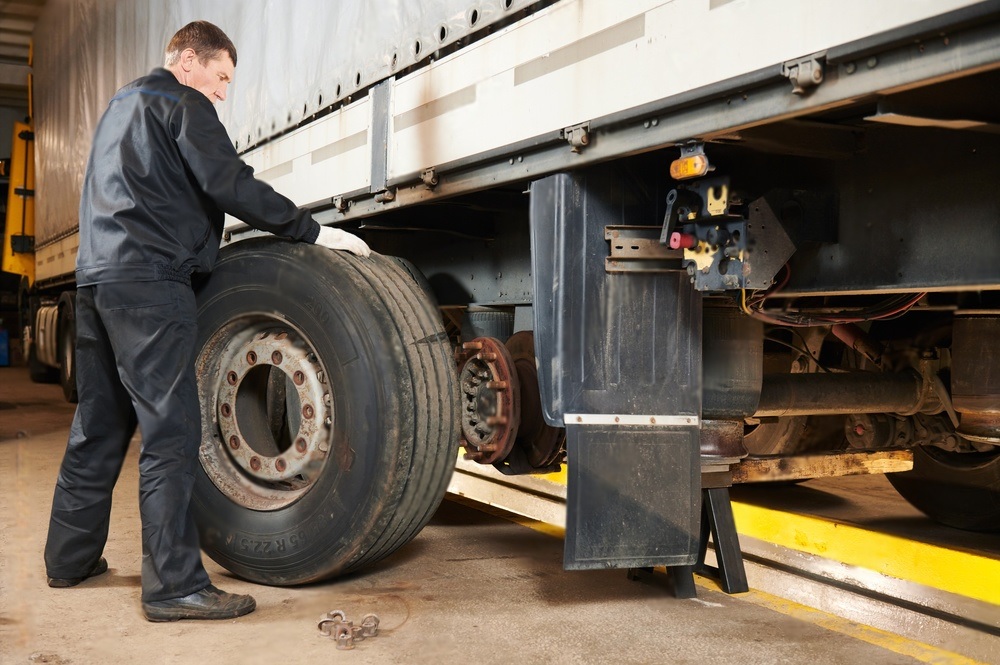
332 238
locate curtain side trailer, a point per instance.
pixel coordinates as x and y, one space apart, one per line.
673 244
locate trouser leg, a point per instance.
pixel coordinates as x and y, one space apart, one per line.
98 440
154 331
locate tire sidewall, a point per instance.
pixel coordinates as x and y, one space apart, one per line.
67 333
318 294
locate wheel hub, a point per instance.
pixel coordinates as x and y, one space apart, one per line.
491 401
270 410
270 366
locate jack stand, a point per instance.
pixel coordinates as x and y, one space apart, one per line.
717 518
717 515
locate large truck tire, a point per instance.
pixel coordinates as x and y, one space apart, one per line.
961 490
329 411
38 371
419 277
67 346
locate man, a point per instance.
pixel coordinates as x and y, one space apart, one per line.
162 173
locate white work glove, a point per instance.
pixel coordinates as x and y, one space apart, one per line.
332 238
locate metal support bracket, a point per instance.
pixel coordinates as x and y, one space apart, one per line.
638 249
429 178
804 74
578 136
387 196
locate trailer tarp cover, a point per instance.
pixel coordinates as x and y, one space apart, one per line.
295 57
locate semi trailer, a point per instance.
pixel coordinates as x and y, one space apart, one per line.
672 244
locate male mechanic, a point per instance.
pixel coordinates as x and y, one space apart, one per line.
162 173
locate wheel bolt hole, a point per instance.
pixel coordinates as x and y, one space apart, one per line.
255 463
251 358
234 442
279 464
300 445
232 378
276 357
308 411
299 378
227 410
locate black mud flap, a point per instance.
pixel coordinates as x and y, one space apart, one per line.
633 497
619 364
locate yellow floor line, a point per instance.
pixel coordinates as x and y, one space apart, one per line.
962 573
542 527
953 571
924 653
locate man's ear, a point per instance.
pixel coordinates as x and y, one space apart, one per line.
188 56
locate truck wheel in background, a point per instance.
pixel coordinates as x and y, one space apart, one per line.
961 490
39 371
67 346
329 411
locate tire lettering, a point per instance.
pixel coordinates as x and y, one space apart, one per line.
293 542
317 309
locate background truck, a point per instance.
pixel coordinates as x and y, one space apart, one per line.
680 243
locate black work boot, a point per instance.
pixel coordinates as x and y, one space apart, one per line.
64 582
209 603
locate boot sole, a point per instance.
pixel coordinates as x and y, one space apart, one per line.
163 615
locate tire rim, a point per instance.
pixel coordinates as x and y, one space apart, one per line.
266 412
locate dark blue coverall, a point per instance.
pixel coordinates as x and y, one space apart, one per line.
162 173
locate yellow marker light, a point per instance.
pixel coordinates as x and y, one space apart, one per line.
689 167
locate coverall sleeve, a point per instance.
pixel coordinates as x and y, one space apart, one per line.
227 180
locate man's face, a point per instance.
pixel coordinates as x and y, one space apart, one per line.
212 79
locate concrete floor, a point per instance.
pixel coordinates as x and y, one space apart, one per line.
470 588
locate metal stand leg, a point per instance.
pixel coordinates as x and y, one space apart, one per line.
681 579
717 515
637 574
717 520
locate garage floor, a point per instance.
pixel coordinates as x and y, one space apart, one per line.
471 587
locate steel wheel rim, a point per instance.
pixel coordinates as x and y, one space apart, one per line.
267 412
